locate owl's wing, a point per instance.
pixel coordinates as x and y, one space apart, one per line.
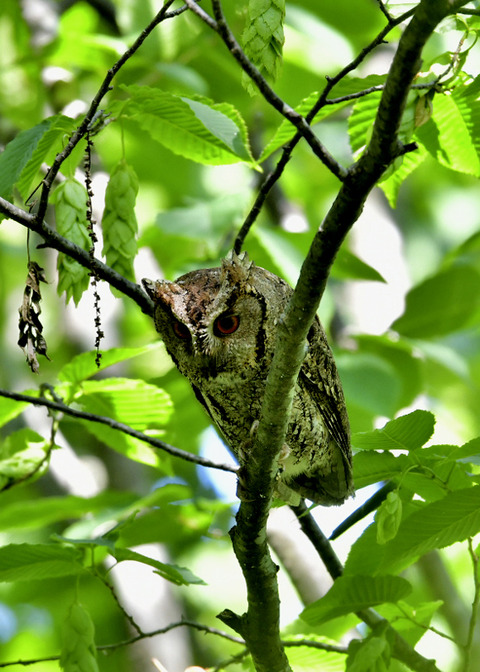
319 377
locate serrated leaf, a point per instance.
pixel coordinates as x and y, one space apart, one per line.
60 126
221 125
195 129
361 120
346 87
18 153
410 162
307 658
409 432
372 467
27 562
84 366
440 305
178 575
134 402
368 655
354 593
436 525
449 136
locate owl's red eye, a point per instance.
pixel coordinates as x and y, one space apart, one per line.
181 330
226 324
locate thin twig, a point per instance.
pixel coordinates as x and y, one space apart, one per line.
161 631
318 539
220 26
322 100
384 10
128 617
56 241
119 426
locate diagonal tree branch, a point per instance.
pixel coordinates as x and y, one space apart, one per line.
220 26
58 242
118 426
323 100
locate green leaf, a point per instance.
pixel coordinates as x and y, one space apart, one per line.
196 129
84 366
442 523
263 38
346 87
373 653
10 409
441 304
29 514
400 355
371 467
134 402
389 517
354 593
49 144
27 562
361 120
178 575
21 454
391 184
307 658
369 382
411 627
449 136
347 266
18 153
408 432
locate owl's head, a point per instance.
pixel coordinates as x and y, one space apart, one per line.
216 320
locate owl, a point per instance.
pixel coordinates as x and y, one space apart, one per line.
219 327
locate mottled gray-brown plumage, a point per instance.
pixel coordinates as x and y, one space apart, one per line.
219 327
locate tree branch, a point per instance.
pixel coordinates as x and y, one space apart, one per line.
118 426
58 242
323 100
220 26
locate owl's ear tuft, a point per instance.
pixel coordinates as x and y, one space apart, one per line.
236 268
